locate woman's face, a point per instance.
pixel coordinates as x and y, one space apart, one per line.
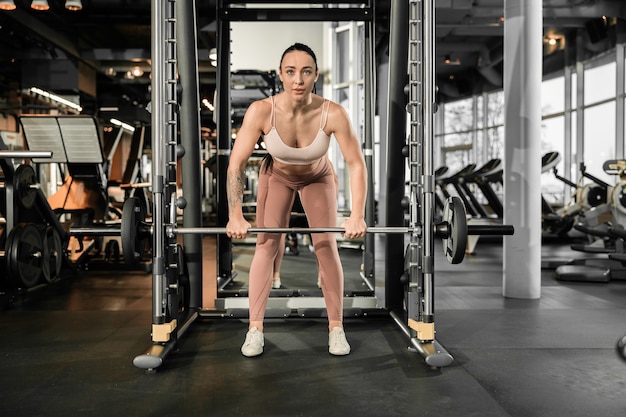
298 74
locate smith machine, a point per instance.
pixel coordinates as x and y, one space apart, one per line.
176 291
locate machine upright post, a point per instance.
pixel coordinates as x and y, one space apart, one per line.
190 139
368 150
224 125
428 182
396 139
158 159
420 326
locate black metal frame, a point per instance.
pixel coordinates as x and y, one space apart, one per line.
169 293
226 13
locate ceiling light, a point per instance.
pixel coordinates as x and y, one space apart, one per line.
213 54
73 5
136 71
122 125
40 5
56 98
7 5
449 61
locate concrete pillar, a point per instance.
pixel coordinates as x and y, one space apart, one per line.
522 133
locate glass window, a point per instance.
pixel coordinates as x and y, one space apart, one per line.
359 124
573 169
495 143
456 160
495 109
458 116
553 96
574 89
342 62
480 112
553 140
553 136
360 63
456 139
599 139
599 83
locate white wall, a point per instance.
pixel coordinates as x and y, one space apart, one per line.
259 45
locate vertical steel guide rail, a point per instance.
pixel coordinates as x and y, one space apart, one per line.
420 301
164 154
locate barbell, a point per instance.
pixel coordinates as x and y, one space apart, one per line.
453 230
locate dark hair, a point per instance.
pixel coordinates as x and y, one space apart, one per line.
299 47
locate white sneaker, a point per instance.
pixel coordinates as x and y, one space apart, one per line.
253 346
337 343
276 284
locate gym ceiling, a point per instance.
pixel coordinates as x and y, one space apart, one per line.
91 51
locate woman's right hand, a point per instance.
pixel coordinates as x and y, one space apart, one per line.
237 228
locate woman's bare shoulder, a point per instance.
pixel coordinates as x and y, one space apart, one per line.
337 111
261 106
258 113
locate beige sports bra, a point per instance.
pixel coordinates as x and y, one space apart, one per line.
289 155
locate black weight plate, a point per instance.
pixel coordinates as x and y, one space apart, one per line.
24 255
52 253
24 178
133 243
455 244
11 274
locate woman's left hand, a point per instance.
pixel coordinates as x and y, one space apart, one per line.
354 227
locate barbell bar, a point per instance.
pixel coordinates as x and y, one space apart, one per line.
493 230
485 230
453 230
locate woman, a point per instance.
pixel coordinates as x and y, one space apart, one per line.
297 126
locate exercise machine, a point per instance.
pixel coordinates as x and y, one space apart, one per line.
611 265
174 293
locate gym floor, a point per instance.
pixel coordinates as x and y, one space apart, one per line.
67 349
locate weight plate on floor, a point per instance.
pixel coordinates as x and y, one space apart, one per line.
11 277
25 178
52 253
133 240
455 243
24 252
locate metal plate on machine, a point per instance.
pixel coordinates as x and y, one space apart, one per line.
25 185
24 253
133 240
52 253
455 243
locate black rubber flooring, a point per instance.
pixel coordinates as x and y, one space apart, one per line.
68 350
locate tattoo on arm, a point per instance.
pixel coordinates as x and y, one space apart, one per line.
235 189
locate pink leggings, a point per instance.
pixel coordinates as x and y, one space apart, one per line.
275 197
